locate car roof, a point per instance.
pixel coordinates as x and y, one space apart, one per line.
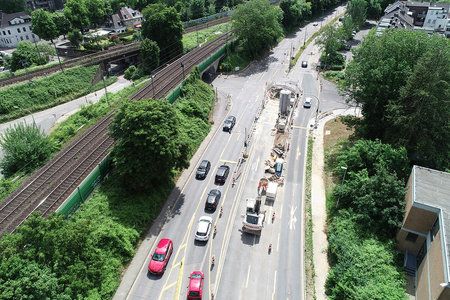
203 224
162 246
204 163
308 99
194 284
231 117
224 167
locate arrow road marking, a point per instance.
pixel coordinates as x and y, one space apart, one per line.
292 218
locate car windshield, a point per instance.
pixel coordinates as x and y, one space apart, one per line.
199 233
158 257
194 293
196 276
227 122
201 168
252 219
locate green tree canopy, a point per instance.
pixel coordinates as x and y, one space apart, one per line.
61 22
258 26
163 25
97 10
149 145
149 54
12 6
75 37
386 74
77 13
26 55
329 39
44 25
24 148
294 12
357 10
197 9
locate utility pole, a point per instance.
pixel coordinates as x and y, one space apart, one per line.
182 67
37 49
57 54
24 64
106 91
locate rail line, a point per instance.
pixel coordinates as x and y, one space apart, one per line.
49 186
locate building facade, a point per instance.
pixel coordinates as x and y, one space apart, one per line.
45 4
15 28
124 19
425 233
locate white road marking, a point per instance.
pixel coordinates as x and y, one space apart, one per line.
274 281
278 242
292 218
248 275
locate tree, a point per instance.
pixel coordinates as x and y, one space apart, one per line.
197 9
377 200
357 10
44 25
374 9
329 39
163 25
62 24
420 116
380 69
75 37
24 148
96 11
347 27
149 145
26 55
294 11
258 25
12 6
149 53
76 12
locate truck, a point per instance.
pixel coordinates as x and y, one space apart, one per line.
254 217
271 192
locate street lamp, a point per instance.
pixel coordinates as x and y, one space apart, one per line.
32 117
182 67
106 91
342 183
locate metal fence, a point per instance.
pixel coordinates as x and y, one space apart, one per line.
207 19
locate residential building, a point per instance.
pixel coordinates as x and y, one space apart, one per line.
125 18
45 4
425 233
432 17
14 28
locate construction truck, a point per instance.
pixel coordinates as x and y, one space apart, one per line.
254 217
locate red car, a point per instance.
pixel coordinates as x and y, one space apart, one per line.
195 285
161 257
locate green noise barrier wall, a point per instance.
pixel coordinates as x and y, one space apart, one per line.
83 191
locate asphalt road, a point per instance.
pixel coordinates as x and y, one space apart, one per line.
243 267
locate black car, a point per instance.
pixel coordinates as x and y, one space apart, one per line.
222 174
229 123
203 169
213 200
304 64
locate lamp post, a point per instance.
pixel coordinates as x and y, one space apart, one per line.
106 91
342 183
32 117
153 87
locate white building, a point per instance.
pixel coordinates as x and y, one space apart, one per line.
436 19
15 28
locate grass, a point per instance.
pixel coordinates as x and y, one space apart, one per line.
7 74
336 77
332 143
309 248
234 59
192 40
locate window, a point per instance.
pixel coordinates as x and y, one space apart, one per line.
411 237
27 37
4 33
21 38
421 254
18 30
9 32
24 29
434 229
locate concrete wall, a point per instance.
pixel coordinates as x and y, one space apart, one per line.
419 220
436 266
422 280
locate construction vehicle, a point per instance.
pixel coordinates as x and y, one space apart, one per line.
254 217
271 192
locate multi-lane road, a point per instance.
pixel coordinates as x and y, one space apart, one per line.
244 269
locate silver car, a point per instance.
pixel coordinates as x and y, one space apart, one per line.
203 229
307 103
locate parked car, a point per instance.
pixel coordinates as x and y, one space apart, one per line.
161 257
212 200
203 229
229 123
195 285
307 103
315 24
348 47
203 169
304 64
222 174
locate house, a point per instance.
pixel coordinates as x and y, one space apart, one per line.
425 233
124 19
432 17
45 4
14 28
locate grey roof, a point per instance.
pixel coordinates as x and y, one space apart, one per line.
5 18
432 189
127 13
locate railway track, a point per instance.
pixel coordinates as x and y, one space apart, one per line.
207 25
48 187
172 75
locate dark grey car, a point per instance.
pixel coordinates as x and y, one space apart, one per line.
213 200
229 123
203 169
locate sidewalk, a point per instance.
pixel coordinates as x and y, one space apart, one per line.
318 204
134 269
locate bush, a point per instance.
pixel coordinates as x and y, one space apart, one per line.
129 72
363 268
25 147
